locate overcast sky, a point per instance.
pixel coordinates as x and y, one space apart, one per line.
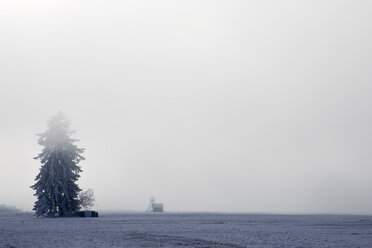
238 106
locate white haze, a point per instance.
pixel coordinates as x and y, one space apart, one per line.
237 106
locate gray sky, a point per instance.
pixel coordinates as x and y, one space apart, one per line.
260 106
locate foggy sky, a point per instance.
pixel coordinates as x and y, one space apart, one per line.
237 106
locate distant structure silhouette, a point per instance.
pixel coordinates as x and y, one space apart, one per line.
155 207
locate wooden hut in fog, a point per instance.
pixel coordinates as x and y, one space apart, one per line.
155 207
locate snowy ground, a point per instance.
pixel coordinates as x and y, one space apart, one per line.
186 230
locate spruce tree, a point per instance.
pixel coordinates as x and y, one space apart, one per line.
56 188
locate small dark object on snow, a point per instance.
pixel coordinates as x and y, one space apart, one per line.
87 214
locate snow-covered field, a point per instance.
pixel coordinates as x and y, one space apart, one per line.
186 230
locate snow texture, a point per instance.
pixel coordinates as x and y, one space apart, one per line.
186 230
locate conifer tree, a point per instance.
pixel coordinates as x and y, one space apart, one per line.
56 188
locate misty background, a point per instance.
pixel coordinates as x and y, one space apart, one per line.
236 106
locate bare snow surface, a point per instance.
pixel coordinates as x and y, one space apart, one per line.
186 230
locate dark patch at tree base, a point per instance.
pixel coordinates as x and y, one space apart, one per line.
87 214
